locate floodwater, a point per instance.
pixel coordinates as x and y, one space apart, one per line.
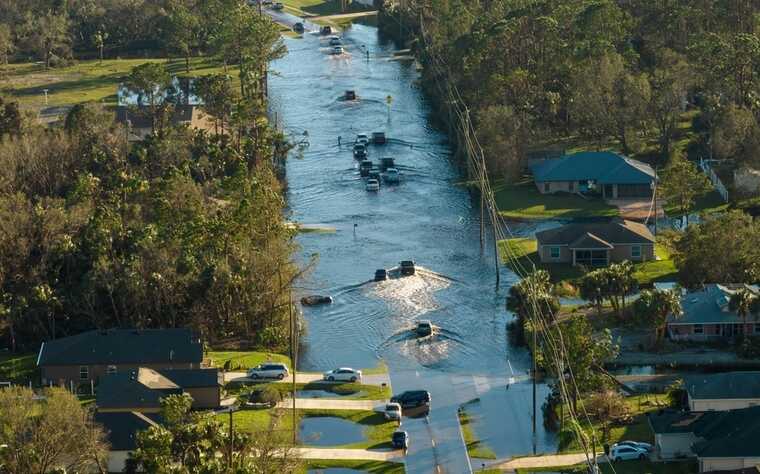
329 431
428 218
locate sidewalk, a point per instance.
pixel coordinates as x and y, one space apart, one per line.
339 453
548 460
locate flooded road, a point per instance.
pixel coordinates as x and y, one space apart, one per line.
428 218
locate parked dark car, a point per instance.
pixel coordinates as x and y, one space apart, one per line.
360 151
365 167
407 267
378 138
386 163
400 440
298 27
381 274
412 398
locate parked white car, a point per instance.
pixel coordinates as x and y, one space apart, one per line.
373 185
269 370
636 444
625 453
343 374
392 411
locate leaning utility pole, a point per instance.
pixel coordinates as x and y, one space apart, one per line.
533 357
293 357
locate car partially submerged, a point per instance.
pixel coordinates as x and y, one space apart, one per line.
392 411
381 274
424 328
373 185
407 267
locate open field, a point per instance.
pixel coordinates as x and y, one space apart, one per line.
525 251
86 81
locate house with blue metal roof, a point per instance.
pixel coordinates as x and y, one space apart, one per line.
598 172
706 315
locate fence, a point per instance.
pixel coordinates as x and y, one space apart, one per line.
705 166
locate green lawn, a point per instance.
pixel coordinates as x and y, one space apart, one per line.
372 467
240 360
522 201
85 81
249 421
475 447
524 251
377 431
637 430
624 467
18 368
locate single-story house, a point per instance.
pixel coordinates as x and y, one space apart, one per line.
612 175
723 391
596 244
141 390
139 122
85 357
121 429
706 315
721 440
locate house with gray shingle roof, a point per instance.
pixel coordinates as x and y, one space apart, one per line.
85 357
596 244
723 391
612 175
721 440
707 315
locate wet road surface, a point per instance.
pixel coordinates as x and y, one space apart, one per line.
427 218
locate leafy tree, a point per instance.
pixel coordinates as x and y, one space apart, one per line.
218 98
669 83
184 27
150 81
200 443
503 138
47 35
10 119
577 353
721 248
655 306
39 437
608 407
99 39
532 297
612 283
7 45
681 183
592 287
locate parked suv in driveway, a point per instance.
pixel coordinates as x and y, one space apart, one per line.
269 370
412 398
624 453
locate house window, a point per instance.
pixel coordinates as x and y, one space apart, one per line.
699 329
591 258
547 187
636 251
757 328
554 252
111 369
84 372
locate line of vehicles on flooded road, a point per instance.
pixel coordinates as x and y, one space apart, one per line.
386 170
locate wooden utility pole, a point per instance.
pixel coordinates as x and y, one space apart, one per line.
533 357
232 441
655 202
293 358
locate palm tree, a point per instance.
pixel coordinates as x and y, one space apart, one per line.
743 302
657 306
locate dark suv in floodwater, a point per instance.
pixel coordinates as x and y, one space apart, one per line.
412 398
407 267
